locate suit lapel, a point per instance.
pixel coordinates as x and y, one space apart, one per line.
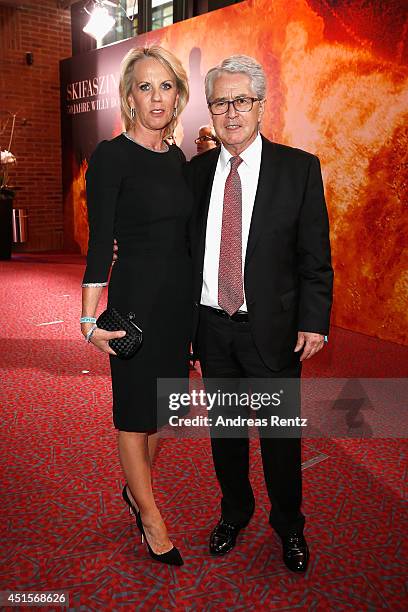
264 194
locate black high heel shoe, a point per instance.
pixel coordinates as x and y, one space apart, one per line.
172 556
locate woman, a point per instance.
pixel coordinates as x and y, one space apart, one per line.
137 195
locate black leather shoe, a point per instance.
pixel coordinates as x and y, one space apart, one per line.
295 551
224 536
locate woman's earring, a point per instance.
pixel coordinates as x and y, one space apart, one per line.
132 113
175 112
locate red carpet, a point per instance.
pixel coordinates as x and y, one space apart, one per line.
65 526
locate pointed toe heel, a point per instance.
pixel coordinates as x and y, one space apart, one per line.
172 556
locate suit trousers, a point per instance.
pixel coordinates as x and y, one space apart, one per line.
226 350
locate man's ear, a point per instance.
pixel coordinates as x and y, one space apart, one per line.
261 109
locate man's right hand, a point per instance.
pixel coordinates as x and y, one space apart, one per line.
115 251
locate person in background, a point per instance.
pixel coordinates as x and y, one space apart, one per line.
170 140
206 139
136 193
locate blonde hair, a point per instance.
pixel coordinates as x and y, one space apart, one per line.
170 62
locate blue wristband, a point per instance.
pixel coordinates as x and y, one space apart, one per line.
87 320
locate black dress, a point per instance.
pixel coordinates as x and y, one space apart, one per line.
139 197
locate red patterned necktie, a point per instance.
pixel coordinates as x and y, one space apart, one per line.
230 286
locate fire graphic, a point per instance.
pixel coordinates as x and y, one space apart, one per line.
352 111
78 198
348 104
337 87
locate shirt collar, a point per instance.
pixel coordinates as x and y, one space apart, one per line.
249 156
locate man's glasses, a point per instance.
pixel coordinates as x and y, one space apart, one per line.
205 139
242 105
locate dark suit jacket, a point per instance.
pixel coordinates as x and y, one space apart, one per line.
288 278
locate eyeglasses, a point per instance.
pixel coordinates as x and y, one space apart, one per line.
205 139
242 105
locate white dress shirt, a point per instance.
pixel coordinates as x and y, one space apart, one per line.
248 171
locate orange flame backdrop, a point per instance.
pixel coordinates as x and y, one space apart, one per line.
337 87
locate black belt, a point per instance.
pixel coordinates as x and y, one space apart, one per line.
239 317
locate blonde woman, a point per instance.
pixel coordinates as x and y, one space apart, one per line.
136 194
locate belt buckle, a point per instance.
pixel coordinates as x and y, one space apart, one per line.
242 316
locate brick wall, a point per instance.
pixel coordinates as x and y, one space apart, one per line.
33 93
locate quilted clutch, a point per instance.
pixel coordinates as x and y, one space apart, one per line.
112 320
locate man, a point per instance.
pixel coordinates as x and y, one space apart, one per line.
206 139
263 287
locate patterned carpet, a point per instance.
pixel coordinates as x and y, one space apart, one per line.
64 524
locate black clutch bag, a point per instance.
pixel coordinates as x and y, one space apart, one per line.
112 320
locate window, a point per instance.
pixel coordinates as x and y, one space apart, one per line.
126 25
162 13
133 17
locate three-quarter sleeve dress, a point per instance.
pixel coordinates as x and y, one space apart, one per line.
139 197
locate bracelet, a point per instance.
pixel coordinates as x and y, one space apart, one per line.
89 334
87 320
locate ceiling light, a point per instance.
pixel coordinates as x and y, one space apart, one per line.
100 23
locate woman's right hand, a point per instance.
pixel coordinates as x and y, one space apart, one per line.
101 337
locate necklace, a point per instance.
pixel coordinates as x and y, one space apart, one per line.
144 146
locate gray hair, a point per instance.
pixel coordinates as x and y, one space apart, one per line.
238 63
